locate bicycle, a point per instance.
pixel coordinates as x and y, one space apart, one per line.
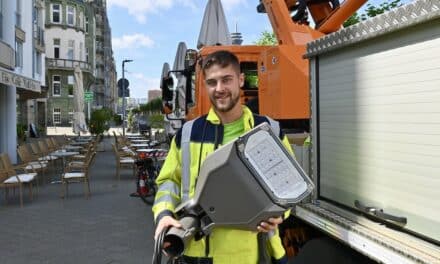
148 167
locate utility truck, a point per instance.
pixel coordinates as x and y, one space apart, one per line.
375 93
276 76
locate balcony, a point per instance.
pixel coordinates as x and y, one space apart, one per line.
39 38
67 64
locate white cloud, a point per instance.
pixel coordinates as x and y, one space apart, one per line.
140 9
229 4
142 83
137 40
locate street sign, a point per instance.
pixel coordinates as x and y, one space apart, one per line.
88 96
123 84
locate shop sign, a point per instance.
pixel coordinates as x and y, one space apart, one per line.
13 79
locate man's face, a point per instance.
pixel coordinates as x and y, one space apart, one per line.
223 86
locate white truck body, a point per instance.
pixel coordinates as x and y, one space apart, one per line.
375 91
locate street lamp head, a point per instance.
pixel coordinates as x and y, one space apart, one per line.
124 61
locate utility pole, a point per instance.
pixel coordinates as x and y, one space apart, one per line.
123 95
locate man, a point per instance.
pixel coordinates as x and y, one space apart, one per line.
226 120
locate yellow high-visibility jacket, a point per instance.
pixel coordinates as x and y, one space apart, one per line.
226 245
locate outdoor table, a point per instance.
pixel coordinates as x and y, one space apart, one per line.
79 143
63 154
69 147
133 136
140 145
139 141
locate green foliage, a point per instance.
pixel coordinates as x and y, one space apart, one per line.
157 120
154 106
267 39
130 119
99 119
117 119
372 11
21 131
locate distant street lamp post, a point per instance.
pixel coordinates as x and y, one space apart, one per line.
123 95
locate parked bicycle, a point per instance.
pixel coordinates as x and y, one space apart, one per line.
148 168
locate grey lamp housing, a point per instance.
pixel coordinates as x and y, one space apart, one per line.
240 185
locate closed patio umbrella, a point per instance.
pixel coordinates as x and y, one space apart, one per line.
179 64
214 30
79 120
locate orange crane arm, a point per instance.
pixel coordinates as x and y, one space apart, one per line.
339 15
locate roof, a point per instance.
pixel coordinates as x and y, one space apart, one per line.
409 15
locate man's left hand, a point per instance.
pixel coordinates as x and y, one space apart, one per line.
270 225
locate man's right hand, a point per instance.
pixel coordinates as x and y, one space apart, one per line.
165 222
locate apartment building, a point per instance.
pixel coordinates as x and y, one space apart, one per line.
21 68
105 82
69 43
78 33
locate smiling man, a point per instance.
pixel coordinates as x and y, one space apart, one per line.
226 120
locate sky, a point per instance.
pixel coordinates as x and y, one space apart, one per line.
148 32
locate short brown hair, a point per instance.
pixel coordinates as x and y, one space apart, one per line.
222 58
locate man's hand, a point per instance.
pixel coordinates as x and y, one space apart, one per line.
270 225
165 222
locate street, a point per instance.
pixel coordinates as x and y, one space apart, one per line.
110 227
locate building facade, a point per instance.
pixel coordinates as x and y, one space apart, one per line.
105 81
21 68
78 34
69 30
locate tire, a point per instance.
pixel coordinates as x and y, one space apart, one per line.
149 197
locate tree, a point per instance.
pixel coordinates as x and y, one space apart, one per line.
154 106
99 119
372 11
267 39
130 119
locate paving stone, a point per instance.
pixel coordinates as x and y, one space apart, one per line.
110 227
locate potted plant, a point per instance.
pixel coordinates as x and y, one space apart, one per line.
21 132
98 122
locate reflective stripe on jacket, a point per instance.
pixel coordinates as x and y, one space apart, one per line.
175 185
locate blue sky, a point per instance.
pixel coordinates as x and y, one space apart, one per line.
148 31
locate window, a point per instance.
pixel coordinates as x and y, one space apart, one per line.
81 19
71 116
18 54
38 62
56 85
36 68
57 115
80 51
71 49
87 24
56 13
70 15
70 83
87 54
18 14
56 48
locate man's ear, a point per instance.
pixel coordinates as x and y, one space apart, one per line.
241 79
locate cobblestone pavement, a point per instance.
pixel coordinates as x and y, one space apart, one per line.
110 227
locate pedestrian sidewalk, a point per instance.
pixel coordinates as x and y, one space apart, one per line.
110 227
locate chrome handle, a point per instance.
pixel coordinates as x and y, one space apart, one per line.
378 212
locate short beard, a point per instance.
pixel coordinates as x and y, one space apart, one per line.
229 107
